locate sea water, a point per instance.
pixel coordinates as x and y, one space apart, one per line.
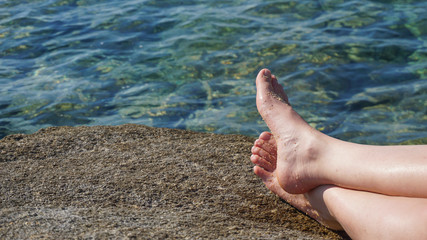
356 70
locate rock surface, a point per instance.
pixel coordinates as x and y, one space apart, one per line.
133 181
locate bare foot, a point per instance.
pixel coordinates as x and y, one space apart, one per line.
298 145
264 156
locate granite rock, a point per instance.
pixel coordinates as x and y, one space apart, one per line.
138 182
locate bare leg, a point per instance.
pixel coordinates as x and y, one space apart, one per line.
366 215
307 158
363 215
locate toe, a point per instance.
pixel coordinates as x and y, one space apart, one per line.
265 136
262 173
263 84
278 89
262 162
264 76
267 147
263 154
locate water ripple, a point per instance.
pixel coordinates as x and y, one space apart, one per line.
354 69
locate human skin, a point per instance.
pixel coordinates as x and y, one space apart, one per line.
363 215
312 203
372 192
307 158
367 215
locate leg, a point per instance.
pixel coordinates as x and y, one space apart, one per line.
366 215
307 158
363 215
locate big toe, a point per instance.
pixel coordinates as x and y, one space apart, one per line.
264 85
269 91
271 103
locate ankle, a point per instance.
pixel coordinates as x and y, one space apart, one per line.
317 148
301 170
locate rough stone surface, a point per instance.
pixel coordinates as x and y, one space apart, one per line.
133 181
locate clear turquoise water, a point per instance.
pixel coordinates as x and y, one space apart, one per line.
356 70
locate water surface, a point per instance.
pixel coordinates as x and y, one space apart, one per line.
355 70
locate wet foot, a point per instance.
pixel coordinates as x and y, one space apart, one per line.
298 144
265 157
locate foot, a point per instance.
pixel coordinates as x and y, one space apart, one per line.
265 157
298 145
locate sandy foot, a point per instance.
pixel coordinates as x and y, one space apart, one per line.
265 157
299 146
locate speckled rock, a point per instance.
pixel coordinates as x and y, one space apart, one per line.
138 182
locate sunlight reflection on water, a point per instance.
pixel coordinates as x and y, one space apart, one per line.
353 69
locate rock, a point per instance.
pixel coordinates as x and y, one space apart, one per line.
133 181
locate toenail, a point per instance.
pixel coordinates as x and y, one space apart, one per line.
255 150
265 136
267 74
